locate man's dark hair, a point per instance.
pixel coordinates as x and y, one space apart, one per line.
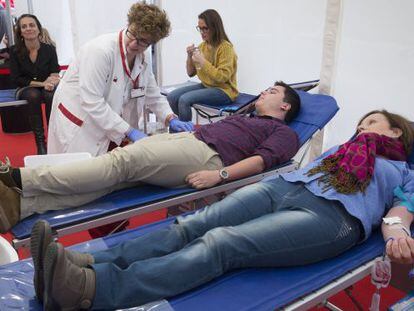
292 98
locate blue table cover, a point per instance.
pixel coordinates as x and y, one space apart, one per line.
7 95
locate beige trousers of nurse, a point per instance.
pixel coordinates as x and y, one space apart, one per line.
163 160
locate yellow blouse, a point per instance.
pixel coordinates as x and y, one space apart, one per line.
220 68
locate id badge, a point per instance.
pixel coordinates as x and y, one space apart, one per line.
139 92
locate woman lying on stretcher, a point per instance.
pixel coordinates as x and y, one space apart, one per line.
302 217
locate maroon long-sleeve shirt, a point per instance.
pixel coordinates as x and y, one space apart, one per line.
238 137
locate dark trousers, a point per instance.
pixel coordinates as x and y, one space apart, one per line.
35 96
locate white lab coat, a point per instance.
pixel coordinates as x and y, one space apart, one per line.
92 104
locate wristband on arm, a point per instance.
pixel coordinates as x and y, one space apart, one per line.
396 223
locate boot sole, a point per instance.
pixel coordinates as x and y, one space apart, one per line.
5 224
50 260
38 244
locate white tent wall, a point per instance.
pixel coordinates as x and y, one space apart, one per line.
277 39
375 63
57 23
283 40
72 23
274 39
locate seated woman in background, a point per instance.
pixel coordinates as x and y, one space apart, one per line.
34 69
215 63
302 217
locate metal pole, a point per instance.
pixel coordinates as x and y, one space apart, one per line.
30 6
156 59
9 24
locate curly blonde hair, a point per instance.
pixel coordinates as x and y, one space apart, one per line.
149 20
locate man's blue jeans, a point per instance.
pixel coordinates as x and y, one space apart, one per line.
183 98
268 224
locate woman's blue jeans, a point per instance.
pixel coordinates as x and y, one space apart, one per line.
183 98
268 224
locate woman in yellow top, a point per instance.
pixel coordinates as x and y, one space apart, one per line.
215 63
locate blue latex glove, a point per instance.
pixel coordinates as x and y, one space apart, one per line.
135 135
181 126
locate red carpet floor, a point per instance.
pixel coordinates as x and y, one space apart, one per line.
16 146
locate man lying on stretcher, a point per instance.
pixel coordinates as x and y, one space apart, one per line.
232 148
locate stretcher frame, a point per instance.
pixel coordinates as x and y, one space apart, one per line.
320 297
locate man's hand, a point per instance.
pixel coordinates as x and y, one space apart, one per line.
203 179
181 126
401 250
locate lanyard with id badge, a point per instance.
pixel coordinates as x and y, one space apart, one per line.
136 91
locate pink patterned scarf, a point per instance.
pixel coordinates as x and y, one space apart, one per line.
350 169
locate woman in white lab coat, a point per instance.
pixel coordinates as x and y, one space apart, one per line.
101 97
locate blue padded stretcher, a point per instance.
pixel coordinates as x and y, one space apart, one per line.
316 111
7 95
296 288
242 103
7 98
12 112
247 289
411 157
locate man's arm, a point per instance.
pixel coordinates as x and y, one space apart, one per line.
206 179
400 246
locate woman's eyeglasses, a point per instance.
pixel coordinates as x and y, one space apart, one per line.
142 42
201 29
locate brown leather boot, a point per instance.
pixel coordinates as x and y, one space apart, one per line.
40 239
67 286
9 208
6 174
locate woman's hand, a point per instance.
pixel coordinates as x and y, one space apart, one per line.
190 49
198 58
48 86
51 82
401 250
191 70
203 179
54 79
